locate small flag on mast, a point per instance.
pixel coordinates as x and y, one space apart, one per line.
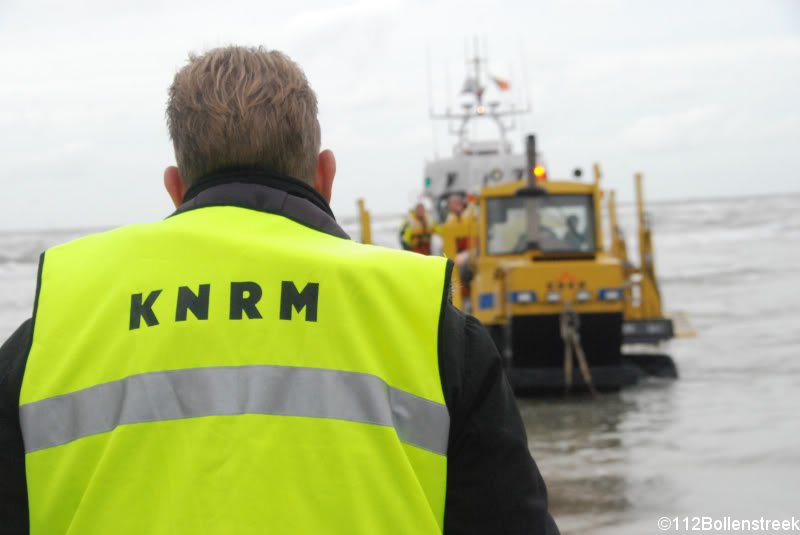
503 85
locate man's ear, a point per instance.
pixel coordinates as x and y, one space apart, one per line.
324 174
174 184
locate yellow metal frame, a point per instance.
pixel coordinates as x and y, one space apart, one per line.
650 296
365 221
499 276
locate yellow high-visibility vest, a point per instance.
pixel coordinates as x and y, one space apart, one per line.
233 371
417 234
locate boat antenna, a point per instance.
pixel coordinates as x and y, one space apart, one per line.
460 122
476 60
448 106
486 49
512 122
525 88
430 101
477 89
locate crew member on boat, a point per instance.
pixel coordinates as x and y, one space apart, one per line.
455 208
417 230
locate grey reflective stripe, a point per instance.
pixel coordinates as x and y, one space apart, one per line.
217 391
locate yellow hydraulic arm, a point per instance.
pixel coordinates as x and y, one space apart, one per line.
598 208
619 249
650 296
365 222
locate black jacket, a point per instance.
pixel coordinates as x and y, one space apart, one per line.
493 484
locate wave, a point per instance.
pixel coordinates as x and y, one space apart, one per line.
25 247
718 276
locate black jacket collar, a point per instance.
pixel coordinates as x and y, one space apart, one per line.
265 191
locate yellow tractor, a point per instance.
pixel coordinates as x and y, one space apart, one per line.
560 305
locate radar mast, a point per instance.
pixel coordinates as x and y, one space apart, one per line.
474 87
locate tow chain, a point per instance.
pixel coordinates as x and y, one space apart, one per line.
570 334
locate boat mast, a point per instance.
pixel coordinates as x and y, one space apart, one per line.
471 110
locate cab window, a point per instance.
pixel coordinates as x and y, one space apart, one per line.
566 224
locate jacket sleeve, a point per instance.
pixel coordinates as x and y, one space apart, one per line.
493 483
13 488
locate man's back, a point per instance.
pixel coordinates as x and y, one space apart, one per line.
251 365
243 367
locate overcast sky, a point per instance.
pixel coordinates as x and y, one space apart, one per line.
702 96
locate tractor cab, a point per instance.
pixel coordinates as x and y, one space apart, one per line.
564 308
538 274
558 224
